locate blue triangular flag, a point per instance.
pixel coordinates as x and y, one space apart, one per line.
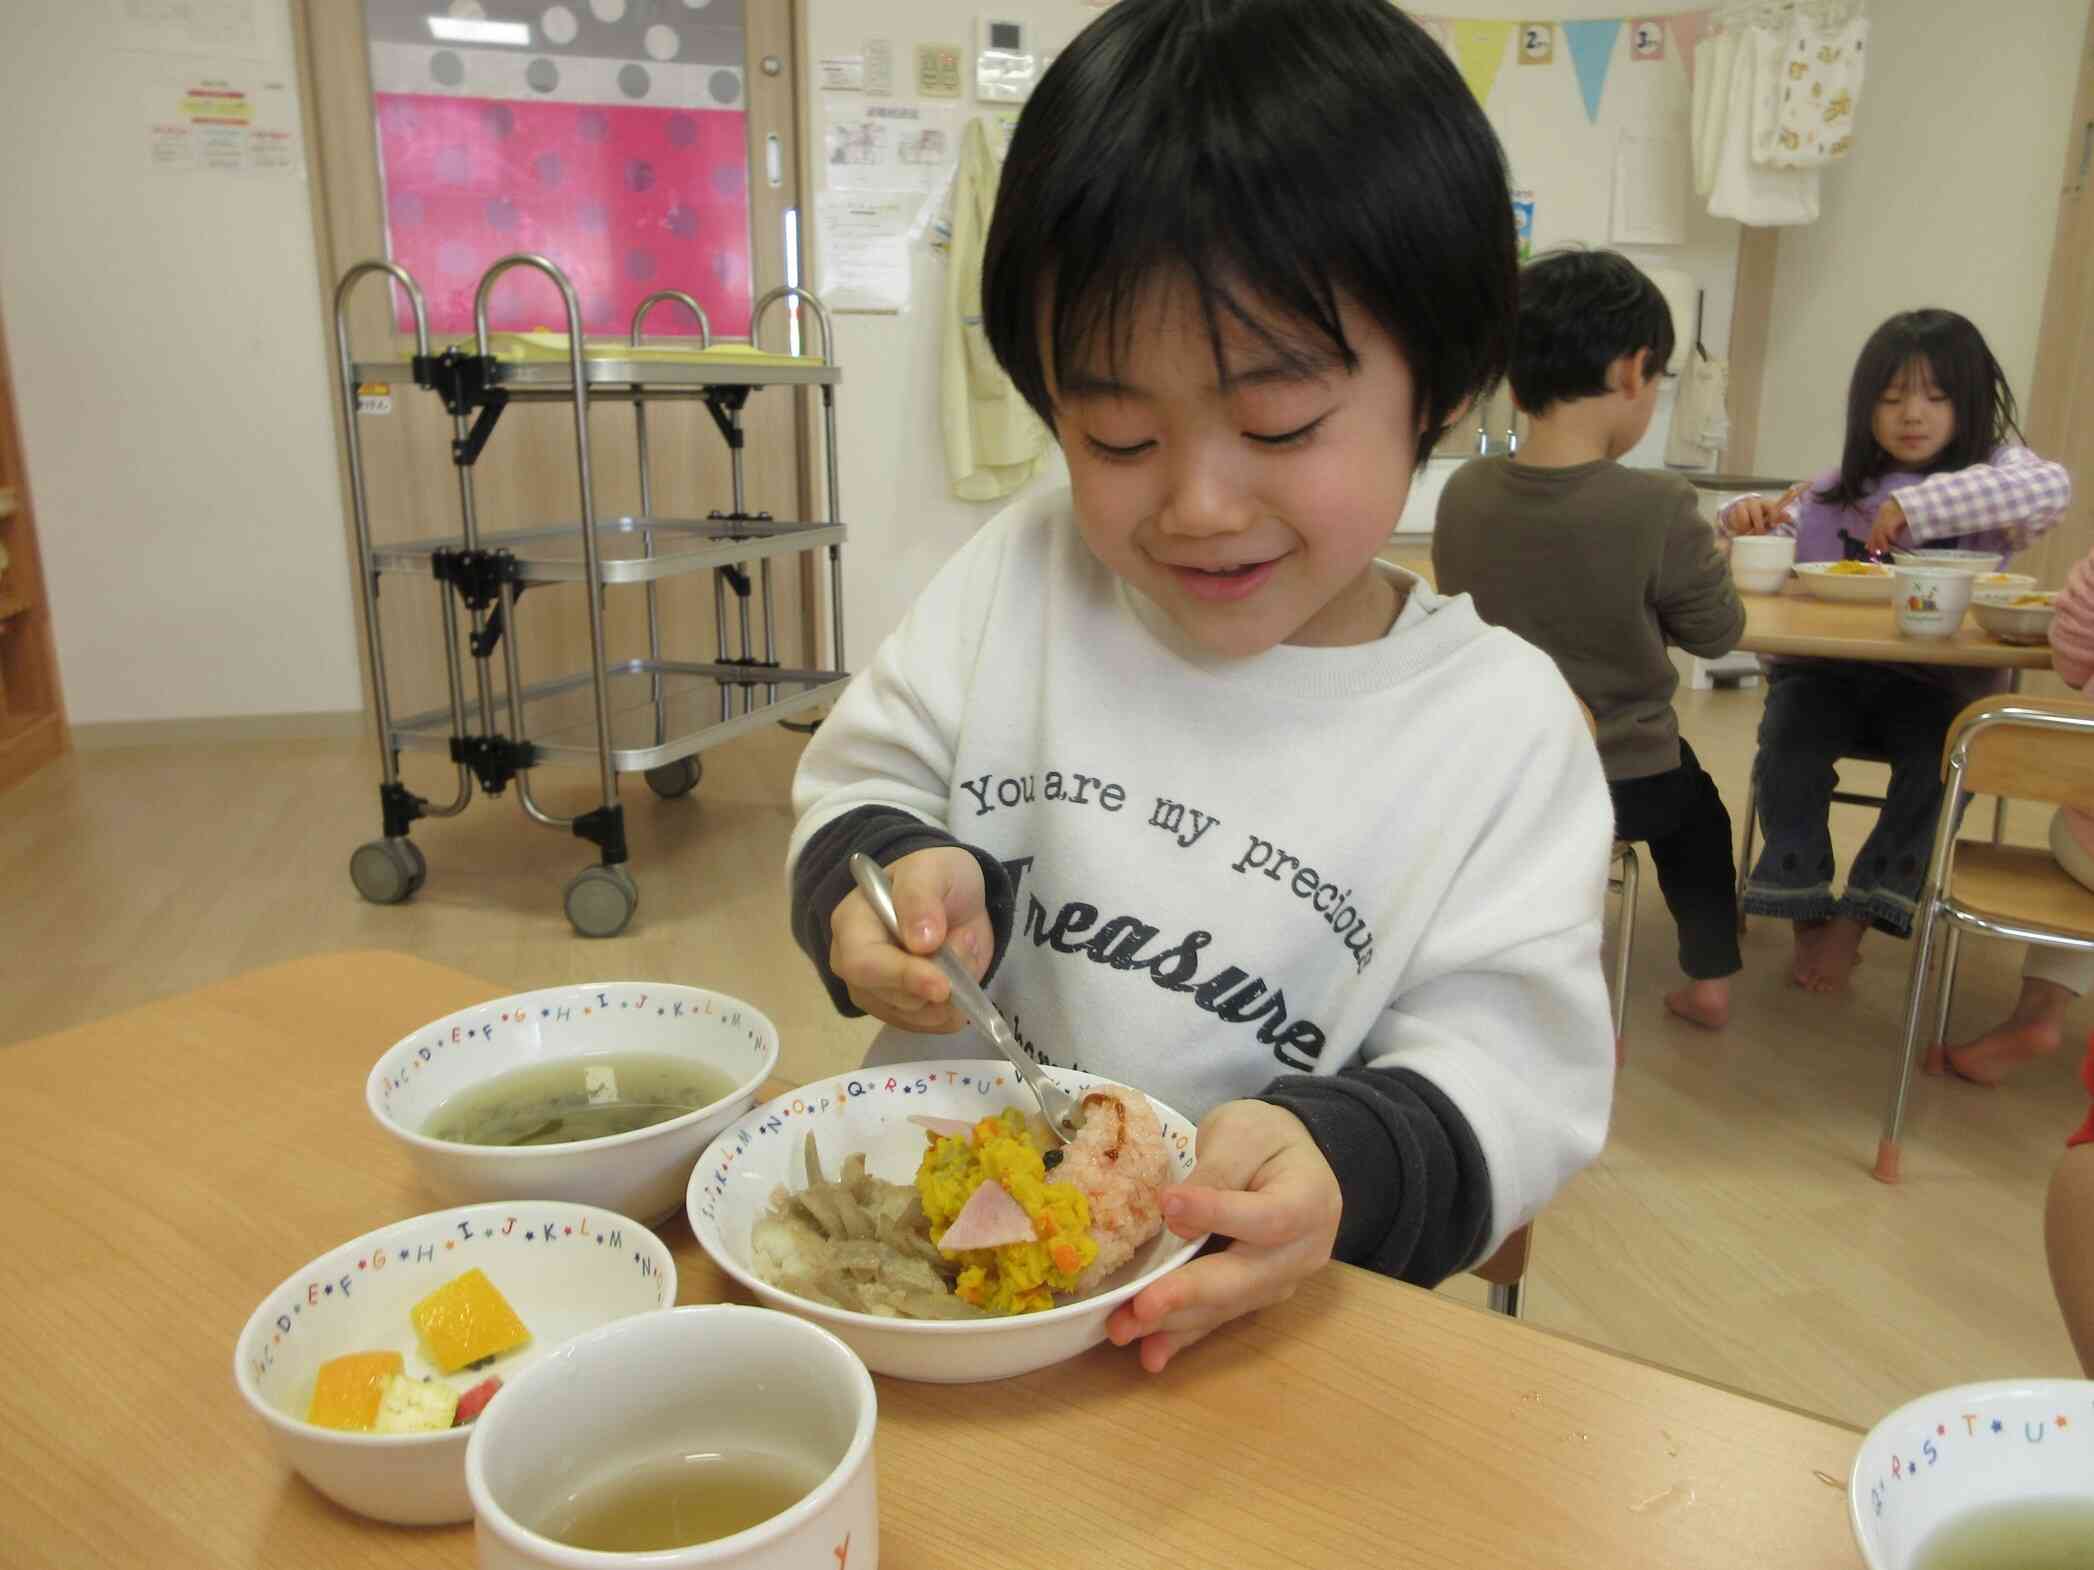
1592 51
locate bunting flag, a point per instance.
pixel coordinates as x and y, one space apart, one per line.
1592 52
1688 27
1479 49
1537 43
1646 38
1436 30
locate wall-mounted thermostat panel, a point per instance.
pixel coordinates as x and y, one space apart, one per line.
1004 64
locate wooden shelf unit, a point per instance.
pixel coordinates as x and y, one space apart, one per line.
32 712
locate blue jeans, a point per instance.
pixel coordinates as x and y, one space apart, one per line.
1819 711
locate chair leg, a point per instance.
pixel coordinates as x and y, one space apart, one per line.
1752 807
1887 1154
1509 1300
1945 988
1628 878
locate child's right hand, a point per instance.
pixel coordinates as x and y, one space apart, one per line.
1760 514
938 895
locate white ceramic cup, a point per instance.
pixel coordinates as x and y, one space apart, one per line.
1761 562
660 1384
1930 601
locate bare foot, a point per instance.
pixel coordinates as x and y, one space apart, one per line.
2032 1031
1703 1003
1826 953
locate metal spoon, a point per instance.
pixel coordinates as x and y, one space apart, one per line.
1064 1116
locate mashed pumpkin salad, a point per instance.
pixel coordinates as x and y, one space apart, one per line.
1017 1238
997 1221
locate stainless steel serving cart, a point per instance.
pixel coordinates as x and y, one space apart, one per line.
646 715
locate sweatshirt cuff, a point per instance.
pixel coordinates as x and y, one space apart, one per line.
1415 1187
822 880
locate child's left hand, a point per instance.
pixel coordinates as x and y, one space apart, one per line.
1889 528
1261 1181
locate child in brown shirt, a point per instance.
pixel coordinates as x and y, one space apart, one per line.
1602 567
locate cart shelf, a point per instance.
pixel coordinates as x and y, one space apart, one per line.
560 715
680 545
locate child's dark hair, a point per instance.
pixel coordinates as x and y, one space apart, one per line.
1580 311
1963 368
1278 152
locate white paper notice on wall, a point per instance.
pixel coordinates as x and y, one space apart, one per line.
843 73
887 147
863 255
222 120
879 67
1651 187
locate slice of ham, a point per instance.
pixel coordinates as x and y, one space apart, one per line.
953 1128
989 1219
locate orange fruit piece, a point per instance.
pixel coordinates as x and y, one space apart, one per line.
467 1319
347 1392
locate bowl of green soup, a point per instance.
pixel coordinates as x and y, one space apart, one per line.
599 1094
1996 1476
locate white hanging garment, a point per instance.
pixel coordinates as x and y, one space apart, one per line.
1749 192
1821 76
1700 428
1712 61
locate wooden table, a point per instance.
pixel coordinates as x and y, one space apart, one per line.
1797 623
167 1167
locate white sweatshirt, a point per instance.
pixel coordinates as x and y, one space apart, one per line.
1390 855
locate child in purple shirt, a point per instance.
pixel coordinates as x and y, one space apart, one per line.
1927 461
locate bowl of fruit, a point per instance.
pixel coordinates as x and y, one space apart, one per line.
368 1365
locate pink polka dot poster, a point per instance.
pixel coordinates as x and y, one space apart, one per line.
625 200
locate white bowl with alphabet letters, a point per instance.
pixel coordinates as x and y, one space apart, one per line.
564 1268
641 1173
872 1111
2009 1464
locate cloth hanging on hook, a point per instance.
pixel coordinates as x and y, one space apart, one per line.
994 443
1822 68
1750 192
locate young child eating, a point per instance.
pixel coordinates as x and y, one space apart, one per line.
1222 807
1602 567
1927 462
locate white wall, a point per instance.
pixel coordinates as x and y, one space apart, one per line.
1949 198
172 373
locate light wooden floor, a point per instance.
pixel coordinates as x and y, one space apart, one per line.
1730 1229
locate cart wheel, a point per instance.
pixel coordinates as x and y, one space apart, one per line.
384 873
420 865
600 901
676 779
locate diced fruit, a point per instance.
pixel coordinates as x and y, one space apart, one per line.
475 1400
415 1406
348 1390
465 1320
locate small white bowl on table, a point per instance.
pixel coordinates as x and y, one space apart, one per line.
1966 1449
1821 582
1760 563
640 1174
2011 623
564 1268
869 1111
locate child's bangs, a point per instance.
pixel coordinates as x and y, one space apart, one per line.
1285 301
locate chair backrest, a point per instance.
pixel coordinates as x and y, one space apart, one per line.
2026 749
1509 1264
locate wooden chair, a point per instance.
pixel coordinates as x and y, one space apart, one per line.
2035 749
1506 1270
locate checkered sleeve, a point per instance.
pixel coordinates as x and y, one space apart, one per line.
2016 494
